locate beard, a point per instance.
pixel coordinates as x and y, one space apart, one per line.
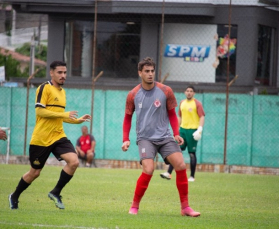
62 83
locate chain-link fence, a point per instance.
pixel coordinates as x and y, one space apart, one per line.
227 51
252 138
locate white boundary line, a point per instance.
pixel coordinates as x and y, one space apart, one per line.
52 226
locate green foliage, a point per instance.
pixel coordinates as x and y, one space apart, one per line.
100 198
40 51
12 67
264 92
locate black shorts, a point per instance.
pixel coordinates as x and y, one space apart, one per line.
38 155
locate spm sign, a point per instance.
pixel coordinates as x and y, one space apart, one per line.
192 53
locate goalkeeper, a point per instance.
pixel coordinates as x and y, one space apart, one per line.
191 119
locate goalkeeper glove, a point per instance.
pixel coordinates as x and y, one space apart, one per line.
197 134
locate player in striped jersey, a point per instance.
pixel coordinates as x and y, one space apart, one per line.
49 136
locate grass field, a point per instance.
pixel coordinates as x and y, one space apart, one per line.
100 198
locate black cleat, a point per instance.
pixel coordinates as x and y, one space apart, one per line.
57 200
13 203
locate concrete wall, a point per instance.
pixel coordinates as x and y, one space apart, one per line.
56 33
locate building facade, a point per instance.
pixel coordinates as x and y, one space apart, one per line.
205 43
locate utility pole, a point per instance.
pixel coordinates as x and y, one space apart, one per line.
32 56
39 31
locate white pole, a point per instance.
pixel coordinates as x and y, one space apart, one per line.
32 56
13 27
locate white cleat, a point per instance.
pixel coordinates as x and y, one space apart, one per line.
191 179
166 175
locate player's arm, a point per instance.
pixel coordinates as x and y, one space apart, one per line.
201 121
68 117
201 113
171 104
175 126
127 123
84 118
93 144
198 133
44 113
79 150
173 121
179 114
179 120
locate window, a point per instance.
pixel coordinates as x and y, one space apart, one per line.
223 52
117 49
265 54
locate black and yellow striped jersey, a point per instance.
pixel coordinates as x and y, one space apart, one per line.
50 112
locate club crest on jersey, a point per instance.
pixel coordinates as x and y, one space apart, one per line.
157 103
140 105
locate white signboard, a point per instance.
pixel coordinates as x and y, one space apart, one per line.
2 73
189 52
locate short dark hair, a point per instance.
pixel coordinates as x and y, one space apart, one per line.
146 61
57 63
192 87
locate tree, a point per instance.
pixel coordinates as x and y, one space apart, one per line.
12 67
40 51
